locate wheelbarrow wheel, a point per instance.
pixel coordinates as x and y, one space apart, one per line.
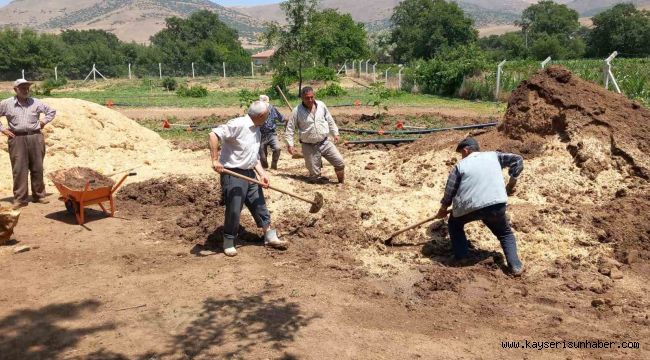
71 206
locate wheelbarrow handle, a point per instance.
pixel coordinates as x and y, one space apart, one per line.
117 186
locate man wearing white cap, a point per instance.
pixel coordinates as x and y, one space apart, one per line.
26 142
239 152
269 136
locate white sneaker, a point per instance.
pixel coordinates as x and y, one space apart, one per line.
271 239
231 251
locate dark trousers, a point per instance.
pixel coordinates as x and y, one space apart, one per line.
26 153
237 193
494 217
272 141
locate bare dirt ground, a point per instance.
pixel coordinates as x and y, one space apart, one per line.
152 282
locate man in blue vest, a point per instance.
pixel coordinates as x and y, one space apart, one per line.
476 189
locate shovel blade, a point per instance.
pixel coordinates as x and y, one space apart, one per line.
318 203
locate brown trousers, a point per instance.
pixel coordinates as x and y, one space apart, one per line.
27 153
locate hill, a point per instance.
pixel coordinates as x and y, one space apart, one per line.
486 13
130 20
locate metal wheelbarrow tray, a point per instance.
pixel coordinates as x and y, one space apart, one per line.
80 187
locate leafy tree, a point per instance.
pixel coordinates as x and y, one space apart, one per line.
552 30
201 38
507 46
87 47
381 46
444 74
294 50
335 37
421 28
623 28
547 17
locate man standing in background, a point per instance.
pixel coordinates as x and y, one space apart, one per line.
315 124
269 136
26 142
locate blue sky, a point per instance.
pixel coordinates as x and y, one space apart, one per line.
220 2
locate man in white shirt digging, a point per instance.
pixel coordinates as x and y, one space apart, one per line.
240 143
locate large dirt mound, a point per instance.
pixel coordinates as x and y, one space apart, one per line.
91 135
602 129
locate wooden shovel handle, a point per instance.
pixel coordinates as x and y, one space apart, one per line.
284 97
255 181
411 227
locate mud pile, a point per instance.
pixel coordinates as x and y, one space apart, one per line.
602 129
76 178
87 134
187 208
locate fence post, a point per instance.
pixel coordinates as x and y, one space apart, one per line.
56 73
224 69
498 89
360 63
192 70
252 70
545 62
129 71
23 74
94 73
367 61
374 73
608 72
353 68
399 77
160 71
386 78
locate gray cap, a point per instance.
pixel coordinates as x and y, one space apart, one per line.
20 82
468 141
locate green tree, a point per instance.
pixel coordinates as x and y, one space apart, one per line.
201 38
547 17
507 46
623 28
420 28
336 37
552 30
294 50
381 46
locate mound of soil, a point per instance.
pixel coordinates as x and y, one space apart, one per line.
602 129
187 208
76 178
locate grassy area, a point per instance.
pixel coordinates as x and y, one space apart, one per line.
147 93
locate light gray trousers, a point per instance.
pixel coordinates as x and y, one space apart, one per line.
314 153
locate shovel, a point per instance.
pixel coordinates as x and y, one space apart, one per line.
389 239
316 204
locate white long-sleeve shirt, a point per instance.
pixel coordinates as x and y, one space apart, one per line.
313 126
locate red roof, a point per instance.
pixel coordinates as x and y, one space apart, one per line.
264 54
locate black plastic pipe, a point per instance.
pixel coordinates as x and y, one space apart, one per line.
418 131
381 141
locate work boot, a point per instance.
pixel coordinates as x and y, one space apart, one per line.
517 272
318 180
41 201
229 247
19 204
271 239
274 160
340 175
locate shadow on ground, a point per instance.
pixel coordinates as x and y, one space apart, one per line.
29 334
249 322
224 328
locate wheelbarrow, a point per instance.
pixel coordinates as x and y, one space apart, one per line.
97 189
